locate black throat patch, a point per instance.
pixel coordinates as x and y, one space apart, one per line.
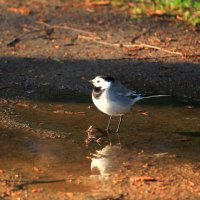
97 92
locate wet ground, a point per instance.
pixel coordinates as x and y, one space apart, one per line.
44 155
48 51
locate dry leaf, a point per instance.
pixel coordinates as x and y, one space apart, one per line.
101 3
13 42
56 47
141 112
21 11
58 111
2 171
159 12
145 165
179 18
36 169
142 178
24 105
156 12
161 154
191 183
34 190
144 113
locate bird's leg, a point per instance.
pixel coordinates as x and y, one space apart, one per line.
108 126
107 129
118 127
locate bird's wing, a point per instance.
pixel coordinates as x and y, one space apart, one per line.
121 90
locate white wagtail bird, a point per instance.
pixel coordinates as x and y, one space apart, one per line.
114 99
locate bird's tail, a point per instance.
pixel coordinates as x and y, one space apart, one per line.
139 97
152 96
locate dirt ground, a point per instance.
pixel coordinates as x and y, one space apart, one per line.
48 50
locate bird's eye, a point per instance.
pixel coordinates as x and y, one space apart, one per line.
98 81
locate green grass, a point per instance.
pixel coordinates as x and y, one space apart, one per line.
186 10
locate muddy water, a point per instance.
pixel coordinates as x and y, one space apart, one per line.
43 144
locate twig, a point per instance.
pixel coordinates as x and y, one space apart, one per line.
142 45
93 37
99 41
18 39
68 28
139 35
192 55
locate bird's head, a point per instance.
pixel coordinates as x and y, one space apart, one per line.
102 82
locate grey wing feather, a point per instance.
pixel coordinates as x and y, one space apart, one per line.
121 90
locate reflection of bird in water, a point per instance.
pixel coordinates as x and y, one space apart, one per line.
94 135
105 160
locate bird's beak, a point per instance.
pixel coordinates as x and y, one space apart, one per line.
90 81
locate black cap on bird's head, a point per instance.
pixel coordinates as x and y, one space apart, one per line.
108 78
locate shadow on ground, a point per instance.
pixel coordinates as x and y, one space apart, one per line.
44 78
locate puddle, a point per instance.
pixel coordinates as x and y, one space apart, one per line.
44 143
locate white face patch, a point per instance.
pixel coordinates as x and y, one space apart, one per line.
100 82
